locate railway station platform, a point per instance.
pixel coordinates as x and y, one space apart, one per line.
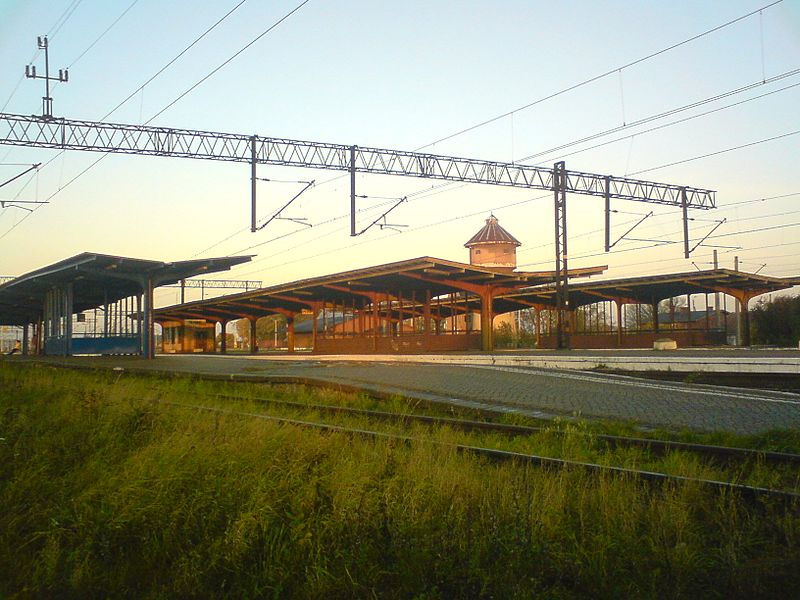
735 360
526 384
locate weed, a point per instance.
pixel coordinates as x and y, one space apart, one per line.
107 492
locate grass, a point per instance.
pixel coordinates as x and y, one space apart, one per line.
108 492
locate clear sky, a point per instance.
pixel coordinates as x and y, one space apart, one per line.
403 75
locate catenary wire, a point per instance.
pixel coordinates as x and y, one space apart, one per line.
225 62
668 113
670 242
718 152
175 58
62 20
598 77
665 125
102 35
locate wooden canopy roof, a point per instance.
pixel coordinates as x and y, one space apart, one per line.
97 279
408 277
654 288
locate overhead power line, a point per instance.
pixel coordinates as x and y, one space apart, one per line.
62 20
175 58
668 242
667 113
670 124
718 152
613 71
232 57
102 35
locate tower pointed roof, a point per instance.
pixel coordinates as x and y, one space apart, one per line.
492 233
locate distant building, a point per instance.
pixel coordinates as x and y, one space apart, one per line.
683 318
493 246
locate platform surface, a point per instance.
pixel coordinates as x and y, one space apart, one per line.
514 383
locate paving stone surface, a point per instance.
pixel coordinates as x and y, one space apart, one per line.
537 392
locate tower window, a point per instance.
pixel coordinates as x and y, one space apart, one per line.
477 251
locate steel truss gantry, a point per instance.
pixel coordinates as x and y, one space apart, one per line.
205 284
69 134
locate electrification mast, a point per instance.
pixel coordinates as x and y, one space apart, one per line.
30 73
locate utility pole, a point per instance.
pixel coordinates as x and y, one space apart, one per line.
737 305
562 293
716 294
30 73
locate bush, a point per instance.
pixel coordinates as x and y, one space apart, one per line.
777 321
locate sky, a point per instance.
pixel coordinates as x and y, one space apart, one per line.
410 75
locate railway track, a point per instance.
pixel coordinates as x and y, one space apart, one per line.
752 494
653 445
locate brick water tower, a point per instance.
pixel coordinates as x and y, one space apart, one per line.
493 247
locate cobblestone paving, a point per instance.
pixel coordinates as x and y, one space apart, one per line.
532 391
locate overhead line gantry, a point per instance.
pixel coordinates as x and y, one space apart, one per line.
70 134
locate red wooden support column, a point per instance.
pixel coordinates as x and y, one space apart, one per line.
487 321
253 340
148 333
290 334
25 339
655 316
314 312
618 304
744 314
223 342
375 322
426 317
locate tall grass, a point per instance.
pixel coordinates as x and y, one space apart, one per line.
106 492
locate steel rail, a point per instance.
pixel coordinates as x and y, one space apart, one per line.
749 493
655 445
69 134
660 446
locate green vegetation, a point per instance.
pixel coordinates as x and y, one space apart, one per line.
108 490
776 321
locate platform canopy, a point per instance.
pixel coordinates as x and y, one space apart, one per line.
96 279
406 278
654 288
